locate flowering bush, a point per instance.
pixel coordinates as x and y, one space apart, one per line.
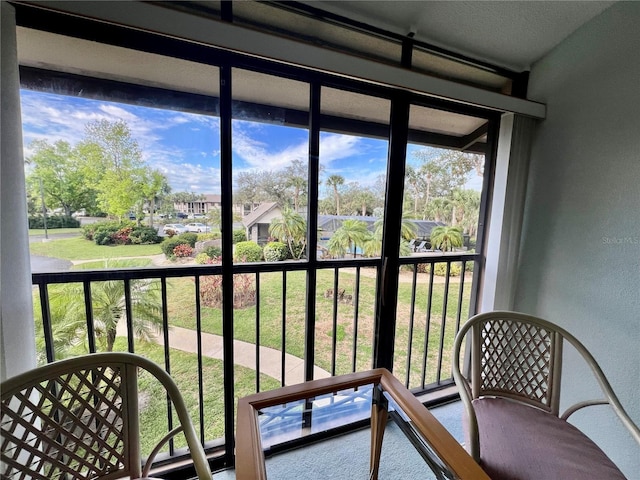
121 237
244 290
182 250
169 244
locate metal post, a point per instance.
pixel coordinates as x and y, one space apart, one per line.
44 210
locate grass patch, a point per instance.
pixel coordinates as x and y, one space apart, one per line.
113 263
184 370
181 308
53 231
81 249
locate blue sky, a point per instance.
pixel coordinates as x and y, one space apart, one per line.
186 148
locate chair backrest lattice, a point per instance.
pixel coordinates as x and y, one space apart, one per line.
78 418
72 425
518 360
518 356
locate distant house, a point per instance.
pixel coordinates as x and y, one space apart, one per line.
258 221
211 201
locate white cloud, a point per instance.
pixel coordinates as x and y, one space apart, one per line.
259 154
337 147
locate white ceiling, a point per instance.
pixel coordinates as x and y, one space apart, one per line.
513 34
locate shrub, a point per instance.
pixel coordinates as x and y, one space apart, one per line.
202 258
183 250
248 252
169 244
421 267
213 251
244 290
239 236
211 291
105 232
440 269
108 233
275 252
144 235
121 237
190 238
208 236
56 221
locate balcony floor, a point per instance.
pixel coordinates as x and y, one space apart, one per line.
347 456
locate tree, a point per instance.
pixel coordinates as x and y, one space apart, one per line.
351 235
296 179
357 200
108 303
408 230
446 170
438 209
290 228
64 176
119 167
156 189
334 181
469 204
414 187
446 238
154 185
248 188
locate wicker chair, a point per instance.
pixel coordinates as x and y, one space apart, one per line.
512 401
78 419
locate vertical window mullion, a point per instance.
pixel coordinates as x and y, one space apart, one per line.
312 230
226 181
387 284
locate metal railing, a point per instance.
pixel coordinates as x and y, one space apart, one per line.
276 338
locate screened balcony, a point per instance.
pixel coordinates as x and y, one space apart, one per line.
400 314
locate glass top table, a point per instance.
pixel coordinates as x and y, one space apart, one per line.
273 419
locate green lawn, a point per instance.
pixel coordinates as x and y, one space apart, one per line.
182 300
81 249
184 370
53 231
113 263
181 307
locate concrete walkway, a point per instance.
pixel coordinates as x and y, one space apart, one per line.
244 354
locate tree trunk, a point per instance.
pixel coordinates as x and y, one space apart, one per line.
111 339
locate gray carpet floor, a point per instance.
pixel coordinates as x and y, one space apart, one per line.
347 456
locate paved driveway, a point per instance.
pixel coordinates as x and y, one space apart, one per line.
40 264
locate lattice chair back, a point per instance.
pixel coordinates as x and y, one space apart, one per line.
515 358
78 419
519 356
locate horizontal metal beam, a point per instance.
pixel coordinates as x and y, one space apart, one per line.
62 83
153 18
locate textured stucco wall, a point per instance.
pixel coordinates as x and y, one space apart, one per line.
580 252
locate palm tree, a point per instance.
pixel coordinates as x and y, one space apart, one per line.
350 235
334 181
290 228
437 209
408 230
109 308
446 238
